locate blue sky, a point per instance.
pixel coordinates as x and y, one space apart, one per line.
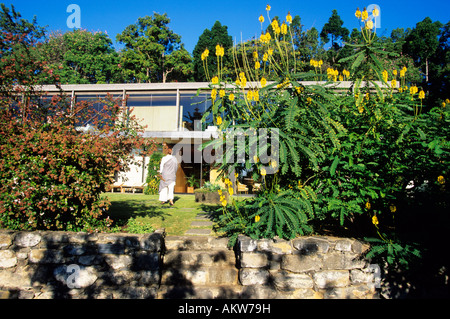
190 18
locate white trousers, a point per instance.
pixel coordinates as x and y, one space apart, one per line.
167 193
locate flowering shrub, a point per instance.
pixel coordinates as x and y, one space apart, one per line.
345 158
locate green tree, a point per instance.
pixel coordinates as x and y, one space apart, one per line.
81 57
422 43
334 28
149 45
209 39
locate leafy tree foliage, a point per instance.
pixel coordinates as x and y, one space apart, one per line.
82 57
209 39
152 50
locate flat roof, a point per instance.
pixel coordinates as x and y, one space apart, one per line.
185 86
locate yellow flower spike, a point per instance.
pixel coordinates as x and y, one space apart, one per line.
289 18
375 12
263 172
230 191
441 180
392 208
422 95
447 101
270 51
250 95
413 90
213 94
369 25
219 120
231 97
215 80
222 93
284 28
257 65
402 73
224 203
443 104
385 76
256 96
205 54
309 100
368 205
261 19
257 218
255 55
394 83
220 51
375 220
364 15
268 8
358 13
265 57
394 72
220 192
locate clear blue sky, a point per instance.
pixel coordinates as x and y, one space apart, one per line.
190 18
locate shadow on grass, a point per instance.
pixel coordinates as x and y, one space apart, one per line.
121 211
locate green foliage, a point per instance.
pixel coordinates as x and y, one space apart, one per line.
138 226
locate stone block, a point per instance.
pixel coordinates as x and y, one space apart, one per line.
331 278
222 276
285 280
117 262
311 245
116 249
301 263
254 260
5 240
246 244
7 259
253 276
343 245
27 239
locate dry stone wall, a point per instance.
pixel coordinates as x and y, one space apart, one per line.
49 265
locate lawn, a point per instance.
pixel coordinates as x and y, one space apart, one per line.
147 210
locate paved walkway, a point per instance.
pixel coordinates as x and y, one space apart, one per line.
201 221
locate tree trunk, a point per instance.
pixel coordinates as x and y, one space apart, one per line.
426 70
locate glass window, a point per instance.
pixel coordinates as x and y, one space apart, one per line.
94 114
194 107
136 100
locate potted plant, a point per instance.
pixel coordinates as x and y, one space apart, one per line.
209 194
191 182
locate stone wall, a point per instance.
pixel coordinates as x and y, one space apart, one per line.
307 267
49 265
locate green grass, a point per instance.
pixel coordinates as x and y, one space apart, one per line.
148 211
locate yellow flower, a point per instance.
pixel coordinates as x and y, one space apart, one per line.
441 180
257 218
284 28
364 15
375 12
261 19
222 93
213 94
219 120
289 18
385 76
270 51
230 191
394 83
402 73
422 95
215 80
263 82
368 206
205 54
443 104
375 220
265 57
224 203
369 25
257 65
309 100
256 96
358 13
220 192
267 8
392 208
231 97
274 164
250 95
220 51
447 101
394 72
263 172
255 159
413 90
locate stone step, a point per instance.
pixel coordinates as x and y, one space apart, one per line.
201 223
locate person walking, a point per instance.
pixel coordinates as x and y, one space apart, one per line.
168 174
